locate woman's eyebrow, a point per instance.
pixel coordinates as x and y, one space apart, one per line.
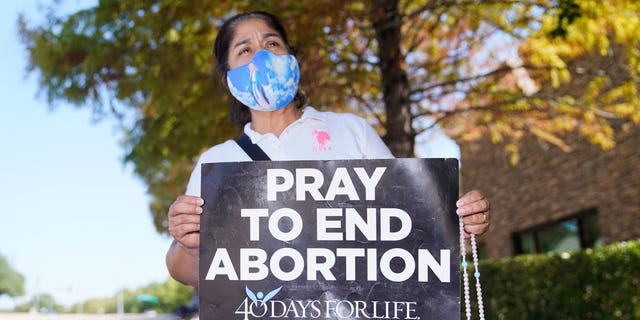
264 36
270 34
241 42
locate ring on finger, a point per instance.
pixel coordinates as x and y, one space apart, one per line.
485 217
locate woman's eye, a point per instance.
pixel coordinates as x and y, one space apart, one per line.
243 51
272 44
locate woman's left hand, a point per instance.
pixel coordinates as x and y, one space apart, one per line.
473 208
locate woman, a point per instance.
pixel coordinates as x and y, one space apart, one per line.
261 72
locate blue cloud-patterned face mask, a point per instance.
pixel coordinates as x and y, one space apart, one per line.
269 82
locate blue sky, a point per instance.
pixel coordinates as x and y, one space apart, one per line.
74 219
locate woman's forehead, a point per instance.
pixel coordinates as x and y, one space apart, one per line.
248 28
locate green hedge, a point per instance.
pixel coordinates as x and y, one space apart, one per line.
602 283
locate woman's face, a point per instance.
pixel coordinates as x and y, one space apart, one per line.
251 36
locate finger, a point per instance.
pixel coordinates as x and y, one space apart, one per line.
188 201
179 231
184 219
478 218
186 205
475 207
477 229
471 196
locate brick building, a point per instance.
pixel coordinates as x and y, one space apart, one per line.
552 200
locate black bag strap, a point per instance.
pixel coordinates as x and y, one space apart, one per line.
253 150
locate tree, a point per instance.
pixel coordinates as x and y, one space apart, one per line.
11 282
475 68
170 295
43 303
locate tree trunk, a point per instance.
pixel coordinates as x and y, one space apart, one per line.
387 23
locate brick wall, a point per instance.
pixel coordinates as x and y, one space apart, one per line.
548 185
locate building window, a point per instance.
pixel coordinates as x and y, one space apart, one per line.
577 232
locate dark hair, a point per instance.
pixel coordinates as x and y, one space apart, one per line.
239 113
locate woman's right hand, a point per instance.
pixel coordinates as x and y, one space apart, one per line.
184 221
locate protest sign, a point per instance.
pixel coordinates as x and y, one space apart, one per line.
342 239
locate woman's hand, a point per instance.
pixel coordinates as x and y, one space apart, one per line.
184 221
473 208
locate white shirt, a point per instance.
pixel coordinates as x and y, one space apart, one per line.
315 136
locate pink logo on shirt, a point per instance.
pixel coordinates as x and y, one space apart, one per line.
322 138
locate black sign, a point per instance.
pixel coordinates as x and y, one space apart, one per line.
344 239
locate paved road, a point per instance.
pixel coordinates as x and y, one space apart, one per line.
27 316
